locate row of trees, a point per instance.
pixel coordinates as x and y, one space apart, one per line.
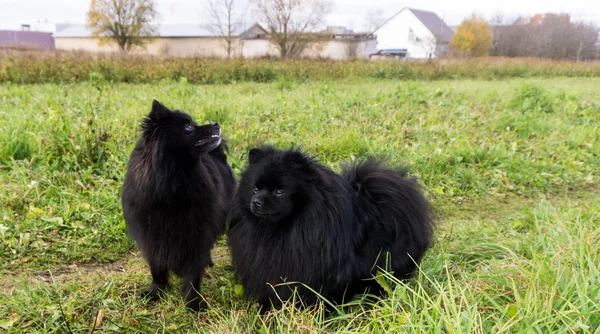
132 23
553 36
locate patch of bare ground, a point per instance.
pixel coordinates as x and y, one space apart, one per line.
133 263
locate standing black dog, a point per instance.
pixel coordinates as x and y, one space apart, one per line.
295 220
175 198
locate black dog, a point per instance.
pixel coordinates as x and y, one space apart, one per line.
175 197
295 220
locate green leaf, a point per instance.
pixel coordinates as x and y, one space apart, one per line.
53 220
380 278
8 323
512 310
38 244
3 230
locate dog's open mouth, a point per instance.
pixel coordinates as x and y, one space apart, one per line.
212 138
207 140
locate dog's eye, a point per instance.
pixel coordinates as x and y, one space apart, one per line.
255 190
278 192
189 127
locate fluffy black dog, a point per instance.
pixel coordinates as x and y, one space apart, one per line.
175 198
295 220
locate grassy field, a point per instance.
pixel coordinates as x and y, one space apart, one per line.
511 167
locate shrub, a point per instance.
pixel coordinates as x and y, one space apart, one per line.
61 66
533 98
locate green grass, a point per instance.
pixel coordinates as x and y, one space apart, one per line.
511 167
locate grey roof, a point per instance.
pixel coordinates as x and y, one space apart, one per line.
61 26
184 30
72 30
165 30
430 20
436 25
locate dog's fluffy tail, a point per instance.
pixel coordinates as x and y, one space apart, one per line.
391 203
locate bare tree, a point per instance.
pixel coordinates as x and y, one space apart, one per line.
511 37
373 20
226 20
585 38
495 26
127 23
291 23
552 36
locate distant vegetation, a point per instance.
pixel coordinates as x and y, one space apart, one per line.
549 36
473 38
26 67
552 36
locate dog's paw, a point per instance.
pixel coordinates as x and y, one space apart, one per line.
152 293
196 304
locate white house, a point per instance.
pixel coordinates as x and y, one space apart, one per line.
414 33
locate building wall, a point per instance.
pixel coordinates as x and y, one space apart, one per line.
255 48
342 49
395 35
370 47
82 43
174 47
214 47
187 47
330 49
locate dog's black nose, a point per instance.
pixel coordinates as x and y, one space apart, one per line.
257 203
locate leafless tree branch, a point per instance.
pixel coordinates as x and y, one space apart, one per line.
291 23
226 20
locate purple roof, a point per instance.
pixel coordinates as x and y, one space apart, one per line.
27 38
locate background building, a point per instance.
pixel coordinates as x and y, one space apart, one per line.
421 34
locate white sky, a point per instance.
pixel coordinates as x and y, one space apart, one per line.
346 12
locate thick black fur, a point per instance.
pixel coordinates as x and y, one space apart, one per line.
175 198
295 220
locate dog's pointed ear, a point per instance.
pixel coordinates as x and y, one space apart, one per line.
158 109
156 105
255 155
303 163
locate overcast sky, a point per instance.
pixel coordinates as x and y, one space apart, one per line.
346 12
